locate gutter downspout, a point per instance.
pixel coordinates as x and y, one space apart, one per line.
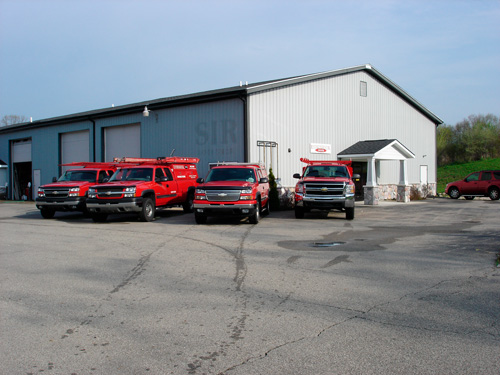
243 98
93 139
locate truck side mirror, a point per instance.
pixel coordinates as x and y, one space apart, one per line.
263 180
200 180
296 175
356 177
162 179
106 179
54 179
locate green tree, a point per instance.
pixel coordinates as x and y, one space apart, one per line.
475 138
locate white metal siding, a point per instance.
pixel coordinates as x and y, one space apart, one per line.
332 111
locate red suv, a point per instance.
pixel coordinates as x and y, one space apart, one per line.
477 184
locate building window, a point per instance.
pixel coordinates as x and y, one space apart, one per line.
362 88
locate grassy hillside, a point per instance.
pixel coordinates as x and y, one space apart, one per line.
455 172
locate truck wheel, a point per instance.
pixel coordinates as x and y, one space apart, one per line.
299 212
349 213
494 194
255 218
200 219
267 209
148 210
188 206
47 213
99 218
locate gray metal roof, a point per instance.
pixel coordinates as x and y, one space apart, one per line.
229 92
371 147
366 147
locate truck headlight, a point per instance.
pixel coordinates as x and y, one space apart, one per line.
74 192
41 192
92 193
299 188
349 189
246 194
200 194
129 192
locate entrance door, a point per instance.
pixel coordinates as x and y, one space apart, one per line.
361 168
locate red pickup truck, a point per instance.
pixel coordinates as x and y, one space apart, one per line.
233 189
325 185
142 185
69 192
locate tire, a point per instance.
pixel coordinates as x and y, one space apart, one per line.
454 193
200 219
47 213
469 198
267 209
255 218
494 194
99 218
148 210
188 205
349 213
299 212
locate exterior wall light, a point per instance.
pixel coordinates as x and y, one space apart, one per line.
146 111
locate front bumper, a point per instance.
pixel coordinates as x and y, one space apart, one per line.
115 206
225 209
324 203
61 204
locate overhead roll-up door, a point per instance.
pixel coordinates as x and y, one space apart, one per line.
75 147
21 151
21 170
122 141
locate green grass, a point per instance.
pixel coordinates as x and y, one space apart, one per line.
454 172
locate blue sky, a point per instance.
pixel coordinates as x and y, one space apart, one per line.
69 56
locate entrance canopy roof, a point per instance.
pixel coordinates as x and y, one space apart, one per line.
381 149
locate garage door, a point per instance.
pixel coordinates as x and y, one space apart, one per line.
75 147
120 141
21 151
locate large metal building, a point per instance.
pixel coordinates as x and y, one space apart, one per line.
355 113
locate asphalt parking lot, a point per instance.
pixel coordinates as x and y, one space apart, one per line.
401 289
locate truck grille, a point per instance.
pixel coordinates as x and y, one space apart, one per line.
324 189
56 192
110 192
223 195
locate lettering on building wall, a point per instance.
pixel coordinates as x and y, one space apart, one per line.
216 133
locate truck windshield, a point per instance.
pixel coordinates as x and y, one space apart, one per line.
326 171
82 175
133 174
231 174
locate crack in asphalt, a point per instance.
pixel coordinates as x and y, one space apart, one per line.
361 315
237 326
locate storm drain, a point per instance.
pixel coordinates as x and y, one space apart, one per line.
326 244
